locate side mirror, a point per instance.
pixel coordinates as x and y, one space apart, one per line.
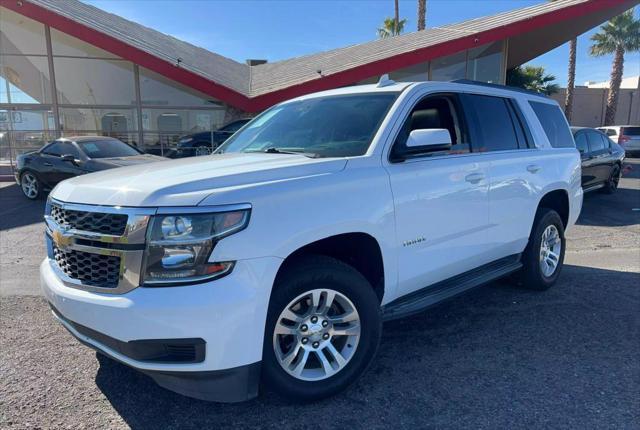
429 140
69 158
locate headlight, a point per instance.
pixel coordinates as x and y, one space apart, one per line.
179 246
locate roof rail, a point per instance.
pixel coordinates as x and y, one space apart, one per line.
498 86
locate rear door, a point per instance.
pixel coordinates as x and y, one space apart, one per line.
516 170
600 161
440 198
589 174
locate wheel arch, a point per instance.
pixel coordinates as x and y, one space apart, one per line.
558 200
359 250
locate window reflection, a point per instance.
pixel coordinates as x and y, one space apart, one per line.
157 90
449 68
485 63
20 35
86 81
24 79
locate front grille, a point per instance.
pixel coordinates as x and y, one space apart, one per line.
92 269
95 222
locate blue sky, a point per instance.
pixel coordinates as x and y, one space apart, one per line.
276 30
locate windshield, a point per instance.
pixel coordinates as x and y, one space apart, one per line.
334 126
107 149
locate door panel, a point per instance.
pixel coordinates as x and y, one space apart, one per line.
517 180
442 217
588 164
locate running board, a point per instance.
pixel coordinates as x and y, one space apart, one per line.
419 300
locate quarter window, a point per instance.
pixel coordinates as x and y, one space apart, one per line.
554 124
492 123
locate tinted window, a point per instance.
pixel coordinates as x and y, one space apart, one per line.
597 142
333 126
554 124
581 143
631 131
494 129
107 148
61 148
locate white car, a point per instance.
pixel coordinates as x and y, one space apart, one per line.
278 258
627 136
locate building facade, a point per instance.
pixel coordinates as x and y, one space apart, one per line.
67 68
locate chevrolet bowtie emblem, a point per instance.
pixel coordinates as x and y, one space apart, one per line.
60 239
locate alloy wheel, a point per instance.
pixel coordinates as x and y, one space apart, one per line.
550 249
29 184
316 334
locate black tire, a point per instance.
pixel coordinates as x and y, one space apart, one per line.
531 276
30 176
611 186
303 275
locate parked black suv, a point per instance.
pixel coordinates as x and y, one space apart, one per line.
201 143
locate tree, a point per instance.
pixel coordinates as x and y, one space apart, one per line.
388 28
396 16
619 35
532 78
571 77
422 14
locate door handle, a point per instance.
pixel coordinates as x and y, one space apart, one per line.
533 168
474 178
47 164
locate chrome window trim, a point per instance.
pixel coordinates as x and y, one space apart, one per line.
131 260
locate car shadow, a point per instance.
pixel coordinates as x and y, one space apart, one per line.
16 210
498 355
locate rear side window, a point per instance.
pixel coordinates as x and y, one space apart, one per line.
492 124
597 142
631 131
554 124
59 149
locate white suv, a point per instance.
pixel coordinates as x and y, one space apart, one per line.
278 258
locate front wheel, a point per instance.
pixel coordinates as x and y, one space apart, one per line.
323 329
30 185
544 255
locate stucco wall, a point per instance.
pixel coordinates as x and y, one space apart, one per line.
589 106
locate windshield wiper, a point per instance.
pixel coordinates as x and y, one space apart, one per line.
274 150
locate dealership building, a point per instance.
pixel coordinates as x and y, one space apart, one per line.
68 68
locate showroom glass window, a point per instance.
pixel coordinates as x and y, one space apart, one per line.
26 118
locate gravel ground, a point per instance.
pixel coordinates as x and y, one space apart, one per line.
498 357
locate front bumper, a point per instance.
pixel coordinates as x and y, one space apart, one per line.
227 314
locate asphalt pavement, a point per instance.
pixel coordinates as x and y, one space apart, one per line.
498 357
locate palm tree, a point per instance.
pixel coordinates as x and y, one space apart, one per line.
396 16
388 28
571 78
619 35
532 78
422 14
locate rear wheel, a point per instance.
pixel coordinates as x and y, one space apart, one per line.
611 185
30 185
323 329
544 255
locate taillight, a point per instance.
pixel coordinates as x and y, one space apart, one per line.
623 139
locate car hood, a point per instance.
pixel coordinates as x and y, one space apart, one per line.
186 182
107 163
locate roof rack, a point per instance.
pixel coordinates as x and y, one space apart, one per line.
498 86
